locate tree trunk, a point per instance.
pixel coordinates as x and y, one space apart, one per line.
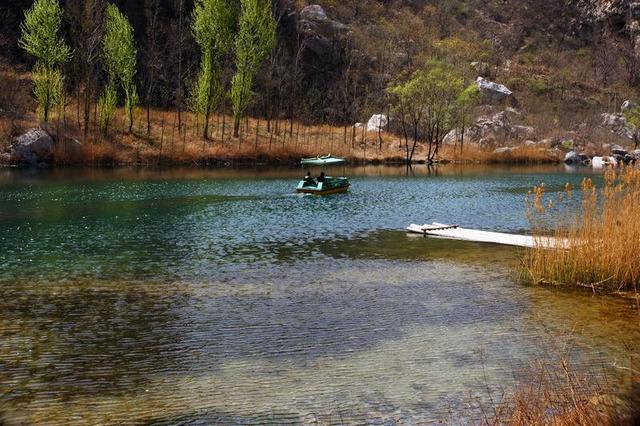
236 127
148 120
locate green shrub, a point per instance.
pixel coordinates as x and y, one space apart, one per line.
538 86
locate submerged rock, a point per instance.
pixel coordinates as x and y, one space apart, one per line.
32 148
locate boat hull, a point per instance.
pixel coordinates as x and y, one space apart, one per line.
329 187
323 192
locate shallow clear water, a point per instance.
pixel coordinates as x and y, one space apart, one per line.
198 297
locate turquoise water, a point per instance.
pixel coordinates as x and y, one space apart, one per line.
219 296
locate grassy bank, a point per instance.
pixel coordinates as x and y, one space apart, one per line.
167 140
602 249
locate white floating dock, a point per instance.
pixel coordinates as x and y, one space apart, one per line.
454 232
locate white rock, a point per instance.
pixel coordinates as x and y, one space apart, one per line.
377 122
600 162
492 92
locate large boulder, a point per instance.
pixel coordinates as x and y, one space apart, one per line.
501 125
377 122
491 92
319 35
33 147
572 157
314 21
617 124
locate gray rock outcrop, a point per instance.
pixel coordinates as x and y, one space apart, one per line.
491 92
617 124
319 35
499 126
33 147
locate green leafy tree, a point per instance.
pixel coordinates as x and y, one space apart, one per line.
212 27
633 119
467 100
255 40
107 105
119 57
41 39
428 105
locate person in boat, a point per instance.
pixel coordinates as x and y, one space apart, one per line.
321 178
308 179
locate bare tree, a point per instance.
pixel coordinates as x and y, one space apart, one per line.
152 54
87 27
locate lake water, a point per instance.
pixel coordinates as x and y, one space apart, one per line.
219 296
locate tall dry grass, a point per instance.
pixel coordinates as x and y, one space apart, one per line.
518 155
560 396
600 225
282 141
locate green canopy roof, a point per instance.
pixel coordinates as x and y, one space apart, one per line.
326 160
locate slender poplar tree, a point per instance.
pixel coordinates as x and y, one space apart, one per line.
255 40
119 58
212 27
41 39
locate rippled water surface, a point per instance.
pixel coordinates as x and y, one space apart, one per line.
200 297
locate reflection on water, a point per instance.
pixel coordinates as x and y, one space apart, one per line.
199 297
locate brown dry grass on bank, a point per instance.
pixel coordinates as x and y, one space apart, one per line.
603 238
517 155
284 142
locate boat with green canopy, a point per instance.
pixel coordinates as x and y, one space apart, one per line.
326 160
324 185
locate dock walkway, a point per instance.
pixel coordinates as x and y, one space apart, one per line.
454 232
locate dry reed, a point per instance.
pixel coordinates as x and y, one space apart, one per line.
602 236
518 155
562 397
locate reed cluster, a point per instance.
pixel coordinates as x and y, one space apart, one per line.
597 234
560 396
